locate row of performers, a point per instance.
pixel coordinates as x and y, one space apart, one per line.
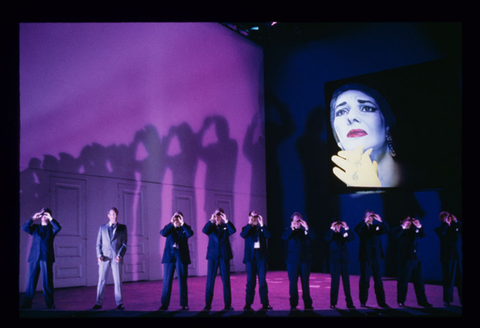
112 245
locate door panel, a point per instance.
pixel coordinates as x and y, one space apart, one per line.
184 201
225 201
132 199
68 202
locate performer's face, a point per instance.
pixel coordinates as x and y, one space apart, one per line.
369 217
297 222
112 216
44 217
176 222
218 218
359 121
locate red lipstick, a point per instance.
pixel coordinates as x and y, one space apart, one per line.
356 133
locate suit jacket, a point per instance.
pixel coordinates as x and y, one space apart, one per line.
371 240
407 247
339 245
218 240
114 246
450 241
42 244
178 236
299 245
252 234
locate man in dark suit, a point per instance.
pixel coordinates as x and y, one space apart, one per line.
370 231
409 260
338 236
41 257
176 255
219 253
450 234
111 247
255 234
299 259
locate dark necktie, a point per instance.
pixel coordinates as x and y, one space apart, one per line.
220 231
110 230
176 237
255 235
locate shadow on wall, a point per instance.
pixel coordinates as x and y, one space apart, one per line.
147 158
254 152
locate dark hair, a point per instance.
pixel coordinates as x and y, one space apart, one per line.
114 209
385 108
296 214
443 215
179 213
219 209
46 209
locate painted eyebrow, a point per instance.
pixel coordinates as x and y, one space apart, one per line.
366 101
359 101
343 103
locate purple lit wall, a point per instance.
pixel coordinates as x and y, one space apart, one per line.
148 117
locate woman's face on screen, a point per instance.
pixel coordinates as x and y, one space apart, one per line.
358 121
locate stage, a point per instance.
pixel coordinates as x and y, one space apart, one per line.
142 300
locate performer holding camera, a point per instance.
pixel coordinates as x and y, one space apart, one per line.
41 257
450 234
176 255
409 260
255 234
338 236
370 231
299 259
219 253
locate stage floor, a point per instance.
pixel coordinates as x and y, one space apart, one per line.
142 299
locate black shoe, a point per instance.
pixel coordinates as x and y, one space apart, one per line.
446 303
384 305
248 307
426 305
267 307
228 308
121 307
309 308
207 308
350 306
332 306
363 305
185 308
96 307
401 304
293 308
51 307
163 308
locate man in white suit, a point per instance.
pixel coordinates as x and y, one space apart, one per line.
111 247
